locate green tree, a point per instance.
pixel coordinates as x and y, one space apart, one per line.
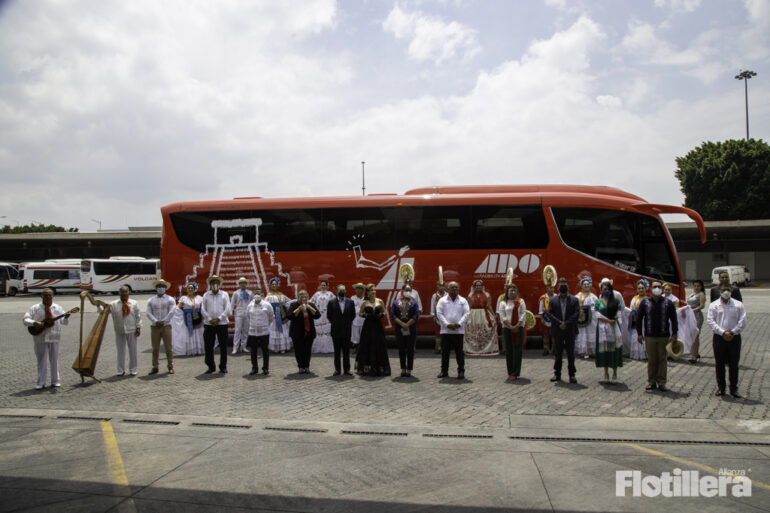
35 228
727 180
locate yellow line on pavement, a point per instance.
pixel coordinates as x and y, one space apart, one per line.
689 463
117 470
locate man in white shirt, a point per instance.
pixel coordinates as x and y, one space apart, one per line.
127 320
238 305
215 310
452 312
42 315
260 316
727 318
160 311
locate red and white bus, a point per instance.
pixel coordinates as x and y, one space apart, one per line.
473 232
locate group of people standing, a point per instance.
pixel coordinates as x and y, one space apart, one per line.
334 322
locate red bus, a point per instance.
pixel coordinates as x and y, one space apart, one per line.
473 232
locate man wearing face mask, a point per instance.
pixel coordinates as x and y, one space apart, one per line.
160 311
724 279
238 304
215 310
260 316
341 312
727 318
656 325
563 311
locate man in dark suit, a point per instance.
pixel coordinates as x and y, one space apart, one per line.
563 313
341 312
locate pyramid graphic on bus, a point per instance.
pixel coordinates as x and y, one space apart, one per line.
235 252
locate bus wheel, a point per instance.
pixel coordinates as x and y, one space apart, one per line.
130 290
12 291
52 290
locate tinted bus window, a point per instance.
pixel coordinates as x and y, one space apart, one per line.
509 227
51 274
633 242
375 228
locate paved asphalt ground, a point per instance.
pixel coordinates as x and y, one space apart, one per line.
288 442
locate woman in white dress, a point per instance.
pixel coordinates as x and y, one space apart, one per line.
323 329
279 341
585 343
637 351
481 328
187 324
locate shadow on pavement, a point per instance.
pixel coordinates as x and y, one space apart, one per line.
57 494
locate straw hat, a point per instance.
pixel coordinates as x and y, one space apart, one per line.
213 277
675 349
242 280
161 283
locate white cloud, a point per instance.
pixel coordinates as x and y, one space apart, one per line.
679 5
431 39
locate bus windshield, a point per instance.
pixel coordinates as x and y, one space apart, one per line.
636 243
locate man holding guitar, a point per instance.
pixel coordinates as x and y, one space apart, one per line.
44 321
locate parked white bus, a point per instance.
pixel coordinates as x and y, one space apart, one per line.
10 274
109 274
59 275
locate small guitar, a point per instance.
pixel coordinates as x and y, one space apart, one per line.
36 329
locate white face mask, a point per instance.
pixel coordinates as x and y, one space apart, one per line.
257 298
161 290
725 294
657 291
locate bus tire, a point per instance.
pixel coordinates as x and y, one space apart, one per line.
130 290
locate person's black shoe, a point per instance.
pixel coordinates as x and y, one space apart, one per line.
573 380
223 371
209 371
460 375
719 393
662 388
736 395
265 372
556 378
253 371
348 373
442 375
153 371
651 386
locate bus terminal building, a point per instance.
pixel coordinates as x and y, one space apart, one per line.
744 243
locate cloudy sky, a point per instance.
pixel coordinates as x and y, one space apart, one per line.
110 109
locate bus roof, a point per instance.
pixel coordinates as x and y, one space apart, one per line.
452 195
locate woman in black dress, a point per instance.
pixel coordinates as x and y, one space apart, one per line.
302 314
372 356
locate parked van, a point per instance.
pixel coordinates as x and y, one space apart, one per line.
109 274
737 275
61 276
9 276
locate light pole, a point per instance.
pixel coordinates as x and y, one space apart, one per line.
99 222
745 75
363 179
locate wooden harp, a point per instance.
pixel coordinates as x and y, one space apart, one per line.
88 352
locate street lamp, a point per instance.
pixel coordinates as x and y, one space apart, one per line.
745 75
99 222
363 179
